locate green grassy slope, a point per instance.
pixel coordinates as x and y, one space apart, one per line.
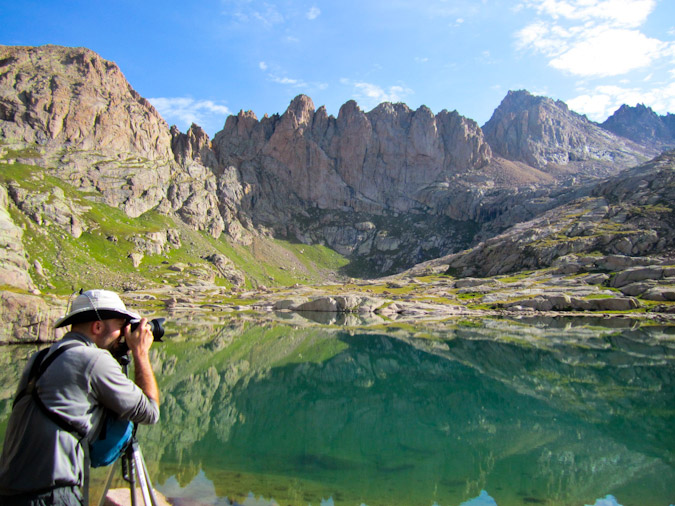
100 256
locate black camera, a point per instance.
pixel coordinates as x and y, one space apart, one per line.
121 350
156 325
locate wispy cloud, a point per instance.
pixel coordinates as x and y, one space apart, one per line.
296 83
277 75
369 95
628 13
245 11
313 13
270 14
183 111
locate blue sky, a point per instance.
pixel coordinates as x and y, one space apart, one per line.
201 61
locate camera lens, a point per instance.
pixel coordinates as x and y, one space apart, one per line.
156 326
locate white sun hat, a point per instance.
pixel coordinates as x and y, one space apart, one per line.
95 305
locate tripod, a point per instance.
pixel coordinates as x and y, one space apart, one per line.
134 471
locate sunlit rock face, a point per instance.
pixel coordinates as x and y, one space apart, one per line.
426 185
641 124
546 135
71 96
372 162
87 122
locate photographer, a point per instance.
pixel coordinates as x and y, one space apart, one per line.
42 461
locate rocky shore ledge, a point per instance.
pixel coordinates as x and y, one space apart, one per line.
601 286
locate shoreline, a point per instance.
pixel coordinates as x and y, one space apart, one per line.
373 303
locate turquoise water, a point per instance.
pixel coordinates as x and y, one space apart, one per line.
563 412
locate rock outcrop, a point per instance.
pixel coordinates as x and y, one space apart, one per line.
388 188
545 134
630 214
13 261
372 162
60 96
87 122
642 125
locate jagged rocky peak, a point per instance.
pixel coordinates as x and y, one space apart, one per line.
58 96
375 162
300 112
547 135
351 117
247 114
192 145
641 124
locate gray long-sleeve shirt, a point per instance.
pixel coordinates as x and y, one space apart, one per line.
79 385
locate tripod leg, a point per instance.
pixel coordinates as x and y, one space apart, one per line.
129 474
151 491
144 481
111 473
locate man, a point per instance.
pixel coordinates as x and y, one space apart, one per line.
41 462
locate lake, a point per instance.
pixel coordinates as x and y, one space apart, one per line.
566 411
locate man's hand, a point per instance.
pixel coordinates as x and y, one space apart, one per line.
139 342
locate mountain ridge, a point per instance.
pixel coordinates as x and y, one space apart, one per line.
387 189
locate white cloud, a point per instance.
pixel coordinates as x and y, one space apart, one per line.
276 76
601 102
262 65
593 38
313 13
269 15
610 52
369 95
184 110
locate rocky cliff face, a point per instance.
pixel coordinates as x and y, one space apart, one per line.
13 261
366 162
545 134
62 96
642 125
388 188
87 122
346 181
630 214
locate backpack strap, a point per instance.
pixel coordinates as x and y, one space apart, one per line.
38 368
30 385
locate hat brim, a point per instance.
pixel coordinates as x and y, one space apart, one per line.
90 315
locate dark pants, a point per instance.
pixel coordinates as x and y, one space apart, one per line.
62 496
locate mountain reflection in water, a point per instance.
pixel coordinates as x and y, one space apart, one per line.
469 413
202 491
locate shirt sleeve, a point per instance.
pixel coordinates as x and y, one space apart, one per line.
114 390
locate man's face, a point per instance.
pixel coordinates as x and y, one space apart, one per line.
110 336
